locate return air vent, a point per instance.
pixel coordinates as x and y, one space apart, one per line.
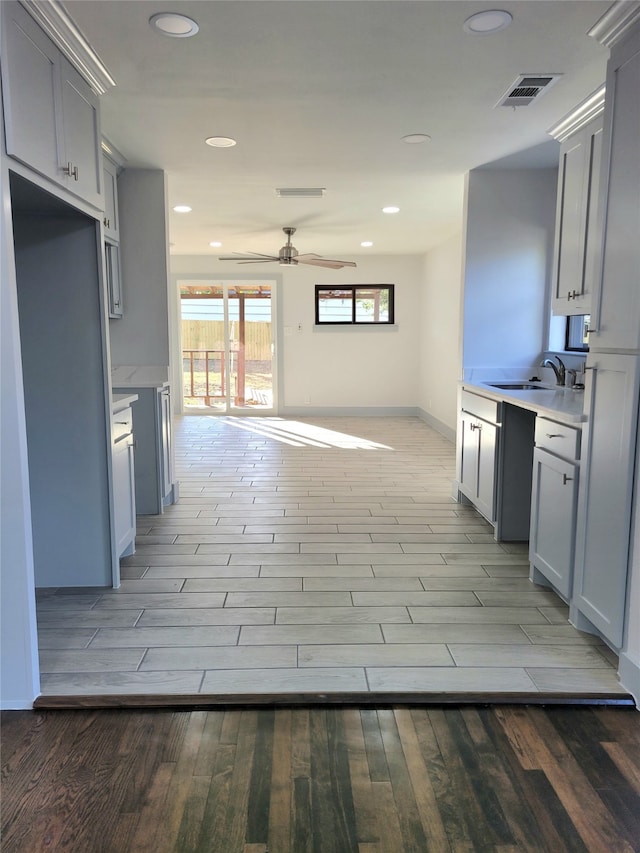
300 192
527 88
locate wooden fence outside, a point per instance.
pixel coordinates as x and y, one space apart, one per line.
209 335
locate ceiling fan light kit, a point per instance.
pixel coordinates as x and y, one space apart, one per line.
288 257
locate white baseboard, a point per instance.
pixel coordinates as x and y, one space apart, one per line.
439 426
629 673
349 411
17 704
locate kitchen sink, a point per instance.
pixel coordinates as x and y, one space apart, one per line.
518 386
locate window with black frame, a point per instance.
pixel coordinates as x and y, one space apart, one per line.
359 304
577 337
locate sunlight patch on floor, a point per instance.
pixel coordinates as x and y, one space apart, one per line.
301 434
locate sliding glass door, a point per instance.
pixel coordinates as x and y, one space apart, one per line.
227 345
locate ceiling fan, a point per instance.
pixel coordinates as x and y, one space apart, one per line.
288 256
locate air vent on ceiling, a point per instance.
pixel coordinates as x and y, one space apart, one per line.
527 88
300 192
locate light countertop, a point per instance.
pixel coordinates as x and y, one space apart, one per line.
139 376
561 404
122 401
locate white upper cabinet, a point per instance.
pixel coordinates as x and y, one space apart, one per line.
576 220
114 279
52 121
30 83
616 319
111 219
81 133
111 228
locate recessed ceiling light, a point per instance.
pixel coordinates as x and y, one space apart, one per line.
416 138
391 209
220 141
366 244
174 25
215 244
182 208
485 23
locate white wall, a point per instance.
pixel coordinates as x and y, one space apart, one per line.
440 329
508 255
365 369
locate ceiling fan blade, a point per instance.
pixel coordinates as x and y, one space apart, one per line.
288 256
248 256
326 262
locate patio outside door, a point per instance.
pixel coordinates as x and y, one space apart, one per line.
227 346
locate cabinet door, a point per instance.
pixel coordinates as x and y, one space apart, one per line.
616 321
593 225
577 232
478 463
114 280
31 92
165 447
569 224
469 448
554 500
604 510
111 221
487 462
81 125
124 496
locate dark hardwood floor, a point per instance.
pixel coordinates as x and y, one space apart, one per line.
322 780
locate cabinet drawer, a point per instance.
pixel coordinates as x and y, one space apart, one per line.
122 424
481 407
561 439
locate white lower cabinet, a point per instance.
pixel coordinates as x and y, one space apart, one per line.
479 454
606 495
554 499
166 446
124 486
124 496
554 504
494 451
154 483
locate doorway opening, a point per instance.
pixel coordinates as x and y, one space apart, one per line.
228 347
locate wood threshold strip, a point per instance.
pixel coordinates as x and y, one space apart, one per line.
205 701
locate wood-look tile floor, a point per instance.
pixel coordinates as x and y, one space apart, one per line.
317 556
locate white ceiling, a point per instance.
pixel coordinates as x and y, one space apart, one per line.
318 93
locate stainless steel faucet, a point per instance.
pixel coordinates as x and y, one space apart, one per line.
560 370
